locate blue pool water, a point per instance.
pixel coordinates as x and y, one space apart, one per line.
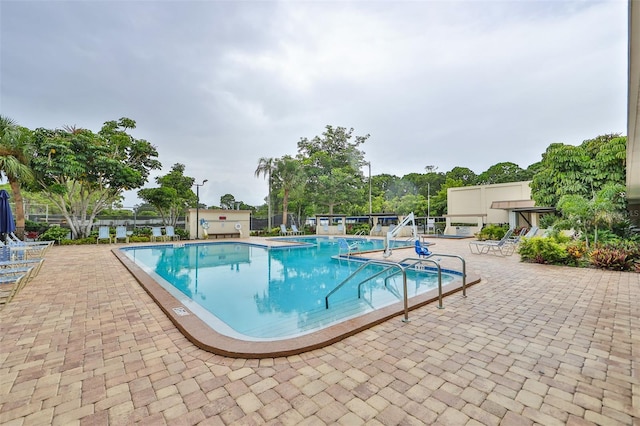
259 293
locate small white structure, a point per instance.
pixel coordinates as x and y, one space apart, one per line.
218 223
331 224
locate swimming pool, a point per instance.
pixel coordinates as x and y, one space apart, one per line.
243 294
260 293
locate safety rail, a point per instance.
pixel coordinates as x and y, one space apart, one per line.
402 267
464 267
357 271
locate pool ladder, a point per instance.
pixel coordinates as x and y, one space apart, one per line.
402 267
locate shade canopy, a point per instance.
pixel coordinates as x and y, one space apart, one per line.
7 225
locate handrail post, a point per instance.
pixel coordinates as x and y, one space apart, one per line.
464 277
406 296
439 286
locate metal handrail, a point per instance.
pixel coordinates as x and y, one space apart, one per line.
417 261
403 265
464 267
364 265
375 276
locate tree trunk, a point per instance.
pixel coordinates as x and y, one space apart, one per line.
285 206
19 213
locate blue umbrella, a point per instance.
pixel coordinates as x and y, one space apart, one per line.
7 225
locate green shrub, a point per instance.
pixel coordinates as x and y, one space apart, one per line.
576 253
32 226
618 256
139 239
359 227
55 233
492 232
543 250
142 232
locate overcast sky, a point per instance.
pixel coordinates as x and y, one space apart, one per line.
216 85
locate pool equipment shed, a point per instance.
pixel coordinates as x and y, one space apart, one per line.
218 223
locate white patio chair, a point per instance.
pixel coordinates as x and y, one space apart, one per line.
103 234
121 234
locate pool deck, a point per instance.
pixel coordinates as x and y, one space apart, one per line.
83 343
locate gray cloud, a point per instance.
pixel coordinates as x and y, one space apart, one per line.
217 85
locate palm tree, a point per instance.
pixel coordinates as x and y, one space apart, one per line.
287 174
14 160
265 168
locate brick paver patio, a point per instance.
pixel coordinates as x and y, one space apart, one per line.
532 344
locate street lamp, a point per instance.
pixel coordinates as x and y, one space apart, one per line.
368 163
428 199
198 185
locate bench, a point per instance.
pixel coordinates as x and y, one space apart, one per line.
224 235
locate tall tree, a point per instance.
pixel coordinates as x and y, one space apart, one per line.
288 175
501 173
439 201
228 201
14 160
407 204
464 174
333 164
265 168
83 172
173 196
579 170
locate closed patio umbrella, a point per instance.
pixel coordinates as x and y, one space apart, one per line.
7 225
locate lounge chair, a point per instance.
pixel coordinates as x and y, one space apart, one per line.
22 266
515 239
340 229
377 230
503 247
103 234
121 234
532 232
21 250
12 280
283 230
345 246
421 251
170 233
18 241
295 230
156 234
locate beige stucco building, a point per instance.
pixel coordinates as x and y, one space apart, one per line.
472 207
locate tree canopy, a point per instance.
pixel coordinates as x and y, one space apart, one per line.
83 172
332 162
14 163
173 196
579 170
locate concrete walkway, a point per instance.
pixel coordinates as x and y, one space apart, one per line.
531 344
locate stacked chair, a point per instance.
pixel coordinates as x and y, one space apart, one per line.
20 262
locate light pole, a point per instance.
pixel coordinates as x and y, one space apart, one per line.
368 163
198 185
428 200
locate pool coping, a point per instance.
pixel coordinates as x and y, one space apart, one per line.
204 337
